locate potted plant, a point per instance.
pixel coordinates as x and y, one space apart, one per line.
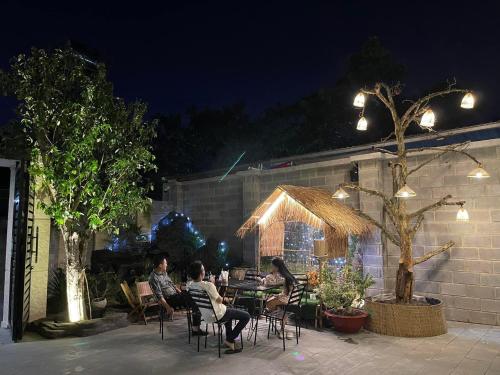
341 292
100 287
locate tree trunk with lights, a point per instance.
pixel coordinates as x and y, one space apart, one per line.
402 225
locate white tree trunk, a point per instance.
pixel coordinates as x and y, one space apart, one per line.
74 293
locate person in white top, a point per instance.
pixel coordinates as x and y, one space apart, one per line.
222 313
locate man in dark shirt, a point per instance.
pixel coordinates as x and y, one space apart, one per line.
170 296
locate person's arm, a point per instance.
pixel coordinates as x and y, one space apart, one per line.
213 294
155 287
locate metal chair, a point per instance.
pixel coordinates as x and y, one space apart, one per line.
281 315
251 275
203 301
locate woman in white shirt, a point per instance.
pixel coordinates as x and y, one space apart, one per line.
222 313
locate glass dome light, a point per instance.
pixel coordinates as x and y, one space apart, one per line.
428 119
362 124
405 192
478 172
359 100
468 101
462 215
340 194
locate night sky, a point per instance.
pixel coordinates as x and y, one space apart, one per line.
213 53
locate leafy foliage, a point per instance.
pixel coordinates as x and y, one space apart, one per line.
88 148
340 289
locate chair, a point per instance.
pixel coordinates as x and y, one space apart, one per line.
203 301
251 275
131 299
281 315
147 300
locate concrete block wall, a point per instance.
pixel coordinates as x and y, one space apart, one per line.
467 278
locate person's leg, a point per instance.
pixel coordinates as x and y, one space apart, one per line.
243 317
273 303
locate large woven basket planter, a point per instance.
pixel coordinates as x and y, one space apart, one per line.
405 320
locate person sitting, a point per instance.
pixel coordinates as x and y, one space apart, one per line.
222 313
170 296
279 275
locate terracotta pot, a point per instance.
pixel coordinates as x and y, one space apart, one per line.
347 323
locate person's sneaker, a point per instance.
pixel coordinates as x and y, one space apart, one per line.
200 332
290 335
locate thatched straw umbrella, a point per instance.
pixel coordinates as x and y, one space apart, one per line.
312 206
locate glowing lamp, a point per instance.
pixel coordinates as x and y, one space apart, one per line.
468 101
340 194
359 100
405 192
462 215
428 119
362 124
478 172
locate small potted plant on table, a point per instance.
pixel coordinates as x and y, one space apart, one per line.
341 292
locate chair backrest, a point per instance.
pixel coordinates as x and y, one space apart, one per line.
203 302
129 294
301 278
296 294
143 289
251 275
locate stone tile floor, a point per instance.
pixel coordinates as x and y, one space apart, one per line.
138 350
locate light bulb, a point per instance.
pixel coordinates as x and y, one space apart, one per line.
478 172
340 194
362 124
405 192
468 101
428 119
359 100
462 215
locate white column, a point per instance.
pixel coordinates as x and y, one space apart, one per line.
8 245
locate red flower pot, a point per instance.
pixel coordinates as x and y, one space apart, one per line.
347 323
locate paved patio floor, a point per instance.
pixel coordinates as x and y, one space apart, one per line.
138 350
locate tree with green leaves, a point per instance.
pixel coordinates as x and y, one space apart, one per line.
88 151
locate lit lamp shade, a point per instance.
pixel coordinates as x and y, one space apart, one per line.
405 192
428 119
340 194
362 124
320 248
468 101
359 100
462 215
478 172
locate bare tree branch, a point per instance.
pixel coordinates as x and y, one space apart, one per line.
408 116
442 202
431 254
385 198
381 226
417 225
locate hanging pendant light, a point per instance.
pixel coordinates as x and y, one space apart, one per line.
359 100
428 119
340 194
462 215
468 101
405 192
478 172
362 124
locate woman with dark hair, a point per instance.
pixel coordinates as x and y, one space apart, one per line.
280 275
